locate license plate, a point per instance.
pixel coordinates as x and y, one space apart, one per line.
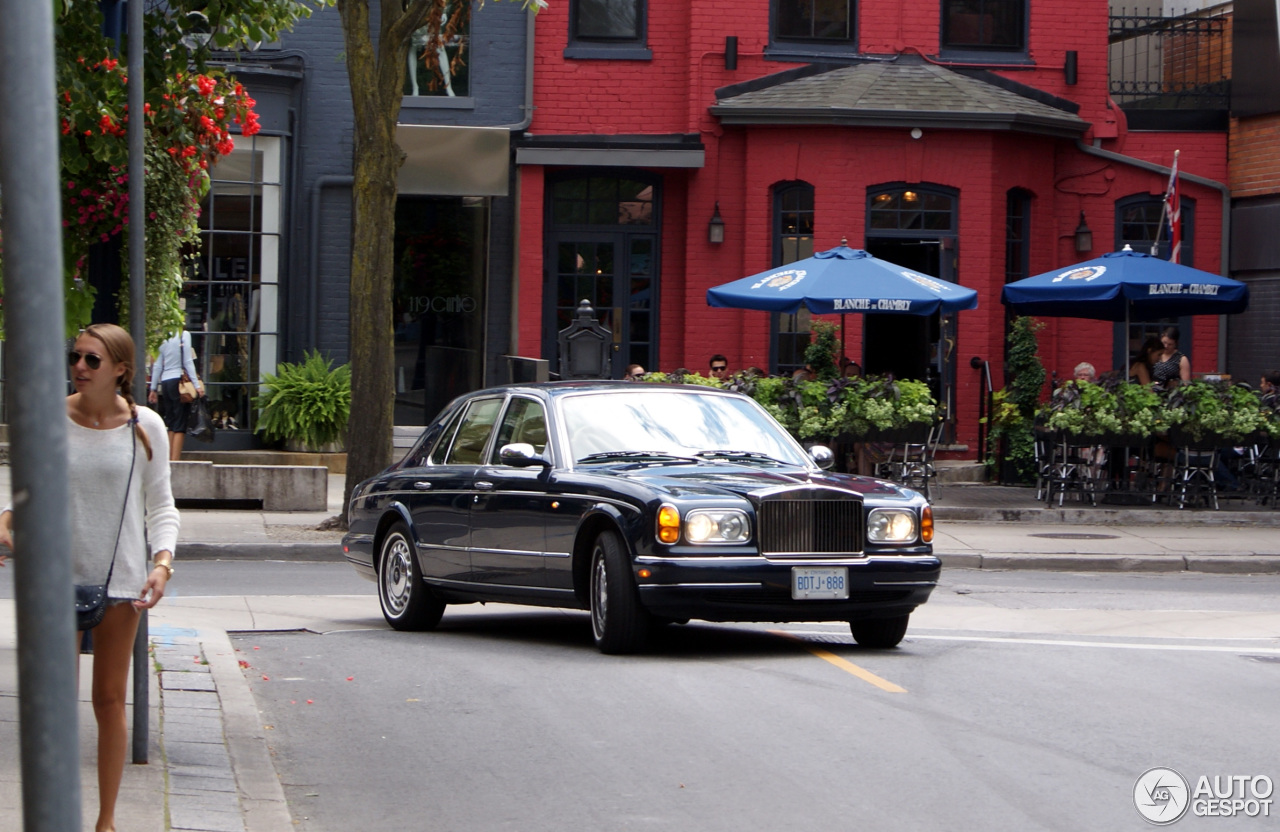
810 582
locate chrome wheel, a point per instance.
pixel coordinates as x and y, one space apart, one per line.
599 594
396 575
619 623
407 602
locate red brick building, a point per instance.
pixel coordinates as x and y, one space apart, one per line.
966 139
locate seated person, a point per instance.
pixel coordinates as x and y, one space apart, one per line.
1085 371
1140 370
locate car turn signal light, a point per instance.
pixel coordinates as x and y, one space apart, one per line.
668 524
926 525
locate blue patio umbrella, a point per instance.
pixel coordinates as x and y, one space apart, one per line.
1126 285
843 280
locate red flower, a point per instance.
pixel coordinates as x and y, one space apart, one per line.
205 84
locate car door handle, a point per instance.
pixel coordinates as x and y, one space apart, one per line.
422 485
484 485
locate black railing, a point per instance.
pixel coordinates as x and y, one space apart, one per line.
1170 63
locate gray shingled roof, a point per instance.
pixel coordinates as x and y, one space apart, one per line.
898 93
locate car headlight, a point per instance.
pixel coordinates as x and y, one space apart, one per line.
717 525
891 525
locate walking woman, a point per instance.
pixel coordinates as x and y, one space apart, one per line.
120 506
174 361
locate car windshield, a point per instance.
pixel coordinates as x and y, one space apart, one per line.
676 423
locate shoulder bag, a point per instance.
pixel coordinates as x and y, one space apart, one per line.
91 599
186 387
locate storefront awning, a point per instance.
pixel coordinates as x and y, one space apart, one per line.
679 150
454 161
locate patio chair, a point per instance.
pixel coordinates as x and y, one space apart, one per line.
1075 470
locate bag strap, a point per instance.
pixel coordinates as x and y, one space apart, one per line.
133 461
182 356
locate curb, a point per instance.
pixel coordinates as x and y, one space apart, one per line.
1066 562
262 551
1216 564
1106 516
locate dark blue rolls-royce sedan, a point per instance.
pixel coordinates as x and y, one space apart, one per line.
643 503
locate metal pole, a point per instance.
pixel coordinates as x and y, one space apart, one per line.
138 328
47 653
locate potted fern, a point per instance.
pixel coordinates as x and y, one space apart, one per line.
306 405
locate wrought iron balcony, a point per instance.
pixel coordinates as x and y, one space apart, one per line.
1159 62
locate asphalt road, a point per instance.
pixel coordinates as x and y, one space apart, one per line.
1024 701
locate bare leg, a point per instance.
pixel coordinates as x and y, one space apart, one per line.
112 652
175 445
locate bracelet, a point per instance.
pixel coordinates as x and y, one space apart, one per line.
165 566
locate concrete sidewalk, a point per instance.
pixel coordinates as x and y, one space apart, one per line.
210 767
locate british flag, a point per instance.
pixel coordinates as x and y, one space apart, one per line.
1173 212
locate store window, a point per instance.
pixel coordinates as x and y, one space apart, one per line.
440 66
984 25
792 240
438 302
232 288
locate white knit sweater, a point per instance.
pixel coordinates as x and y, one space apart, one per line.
97 473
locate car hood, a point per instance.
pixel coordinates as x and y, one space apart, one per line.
712 479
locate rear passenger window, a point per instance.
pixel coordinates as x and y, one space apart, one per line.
473 432
446 440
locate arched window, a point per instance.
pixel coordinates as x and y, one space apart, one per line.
792 240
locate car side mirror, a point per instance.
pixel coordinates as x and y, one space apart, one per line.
521 455
822 456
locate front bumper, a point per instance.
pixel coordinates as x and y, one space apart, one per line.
759 589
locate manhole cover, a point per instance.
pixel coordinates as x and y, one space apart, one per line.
1077 536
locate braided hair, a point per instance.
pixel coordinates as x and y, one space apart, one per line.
119 346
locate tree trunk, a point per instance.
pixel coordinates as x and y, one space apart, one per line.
377 80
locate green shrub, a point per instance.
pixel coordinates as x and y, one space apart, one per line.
308 402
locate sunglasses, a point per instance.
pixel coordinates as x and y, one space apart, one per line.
719 369
94 361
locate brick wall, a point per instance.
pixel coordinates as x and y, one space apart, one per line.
671 93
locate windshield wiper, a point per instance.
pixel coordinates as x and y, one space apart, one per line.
635 456
725 453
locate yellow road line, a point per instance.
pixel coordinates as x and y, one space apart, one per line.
845 665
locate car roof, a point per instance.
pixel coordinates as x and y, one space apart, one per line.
560 388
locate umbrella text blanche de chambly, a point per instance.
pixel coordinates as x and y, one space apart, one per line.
1126 285
842 280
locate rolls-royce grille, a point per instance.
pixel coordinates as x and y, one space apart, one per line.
803 528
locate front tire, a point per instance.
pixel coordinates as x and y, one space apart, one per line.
619 623
879 633
407 603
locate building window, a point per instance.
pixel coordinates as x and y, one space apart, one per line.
984 25
792 240
1017 247
231 292
438 66
814 20
609 29
1141 225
